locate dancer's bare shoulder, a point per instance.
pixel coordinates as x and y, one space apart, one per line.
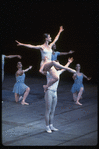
19 73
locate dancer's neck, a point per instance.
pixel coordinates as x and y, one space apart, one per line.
46 43
19 68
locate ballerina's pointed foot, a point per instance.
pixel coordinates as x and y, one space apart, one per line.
45 88
24 103
78 103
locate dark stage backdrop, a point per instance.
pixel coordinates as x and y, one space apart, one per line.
27 21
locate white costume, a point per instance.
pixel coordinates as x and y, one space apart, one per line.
47 53
51 102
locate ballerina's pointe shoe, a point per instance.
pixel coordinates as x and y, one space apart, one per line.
49 131
54 129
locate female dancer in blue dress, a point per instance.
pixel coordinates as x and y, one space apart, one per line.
20 87
78 87
46 51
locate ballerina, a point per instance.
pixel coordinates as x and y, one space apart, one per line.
20 87
46 50
78 87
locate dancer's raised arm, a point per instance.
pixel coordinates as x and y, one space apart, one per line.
30 67
57 37
65 53
88 78
28 45
13 56
20 72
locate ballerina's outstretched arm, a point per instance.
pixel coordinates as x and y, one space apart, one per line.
30 67
88 78
57 37
28 45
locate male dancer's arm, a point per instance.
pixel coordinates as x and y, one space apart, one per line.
65 53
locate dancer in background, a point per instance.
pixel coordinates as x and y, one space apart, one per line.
46 50
20 87
9 56
51 99
55 54
78 87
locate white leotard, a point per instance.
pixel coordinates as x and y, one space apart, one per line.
47 53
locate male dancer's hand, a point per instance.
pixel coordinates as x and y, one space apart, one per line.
70 52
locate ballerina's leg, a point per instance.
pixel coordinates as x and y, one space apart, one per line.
25 96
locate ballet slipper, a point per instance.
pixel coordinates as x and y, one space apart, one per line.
54 129
78 103
24 103
49 131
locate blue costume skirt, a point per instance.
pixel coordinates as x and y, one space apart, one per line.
76 87
19 88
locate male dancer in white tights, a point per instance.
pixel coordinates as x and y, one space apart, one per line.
51 99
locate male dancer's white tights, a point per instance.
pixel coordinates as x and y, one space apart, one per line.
51 102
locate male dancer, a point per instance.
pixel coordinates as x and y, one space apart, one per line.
55 54
51 99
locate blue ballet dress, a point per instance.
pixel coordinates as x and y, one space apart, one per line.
20 86
78 83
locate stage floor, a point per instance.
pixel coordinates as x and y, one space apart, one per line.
24 125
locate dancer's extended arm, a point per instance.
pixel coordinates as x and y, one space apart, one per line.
20 72
65 53
57 37
13 56
88 78
30 67
28 45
